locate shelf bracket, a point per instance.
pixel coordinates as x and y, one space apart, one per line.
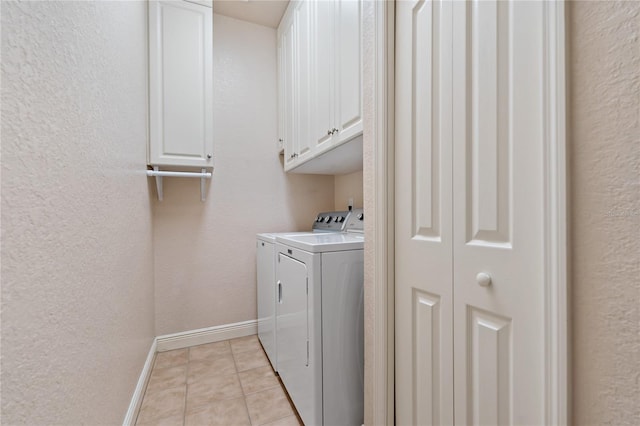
203 185
159 184
158 174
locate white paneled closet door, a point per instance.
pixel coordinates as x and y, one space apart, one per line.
423 191
498 186
474 105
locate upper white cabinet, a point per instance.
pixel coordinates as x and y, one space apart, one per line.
286 76
339 55
296 77
180 84
321 85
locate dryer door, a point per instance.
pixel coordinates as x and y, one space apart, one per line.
292 325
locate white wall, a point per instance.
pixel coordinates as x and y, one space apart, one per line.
205 252
77 269
604 149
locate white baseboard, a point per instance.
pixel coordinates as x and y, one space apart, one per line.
206 335
179 341
136 399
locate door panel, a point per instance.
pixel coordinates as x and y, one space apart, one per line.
427 338
281 95
489 364
498 137
424 347
489 121
349 84
324 68
304 77
181 84
288 49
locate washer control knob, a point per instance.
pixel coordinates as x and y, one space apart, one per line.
360 216
329 219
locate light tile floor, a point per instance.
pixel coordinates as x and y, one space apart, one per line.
224 383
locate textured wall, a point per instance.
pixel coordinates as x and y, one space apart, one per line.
77 268
605 196
348 186
369 198
205 252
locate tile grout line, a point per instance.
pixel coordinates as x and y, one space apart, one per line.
262 390
186 387
244 397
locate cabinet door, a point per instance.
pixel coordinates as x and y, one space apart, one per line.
348 104
288 76
304 78
324 65
266 278
292 334
281 96
180 84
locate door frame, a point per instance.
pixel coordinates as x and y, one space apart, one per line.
379 196
379 104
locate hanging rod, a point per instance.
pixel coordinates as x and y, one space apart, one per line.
202 175
160 174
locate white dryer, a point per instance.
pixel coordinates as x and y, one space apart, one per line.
266 282
320 321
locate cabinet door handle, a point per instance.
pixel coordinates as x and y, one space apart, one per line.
279 291
294 155
280 140
334 130
329 132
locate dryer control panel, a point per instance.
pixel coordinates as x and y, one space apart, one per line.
355 221
331 221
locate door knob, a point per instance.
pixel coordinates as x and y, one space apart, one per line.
483 279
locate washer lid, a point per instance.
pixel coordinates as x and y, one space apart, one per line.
270 237
325 242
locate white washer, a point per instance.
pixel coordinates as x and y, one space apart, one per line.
266 282
319 323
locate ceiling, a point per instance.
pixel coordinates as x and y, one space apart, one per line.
262 12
